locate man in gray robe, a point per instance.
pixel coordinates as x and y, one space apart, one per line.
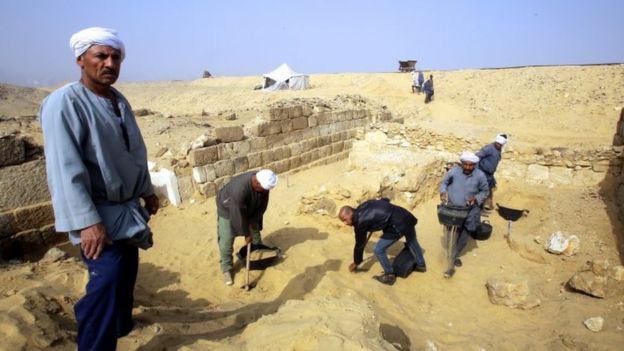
96 164
464 186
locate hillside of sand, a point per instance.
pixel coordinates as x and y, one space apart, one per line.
308 301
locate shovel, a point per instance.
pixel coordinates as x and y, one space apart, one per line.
247 285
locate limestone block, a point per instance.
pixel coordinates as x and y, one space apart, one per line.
7 224
278 113
203 156
254 160
306 110
185 188
295 148
600 166
300 123
561 175
12 150
241 164
280 166
323 118
229 134
324 140
325 151
23 185
199 174
266 128
287 126
275 140
295 112
306 157
282 152
594 324
34 216
537 172
227 151
165 184
312 121
257 144
348 144
224 168
295 162
337 147
335 137
267 157
511 294
618 273
588 177
50 236
207 189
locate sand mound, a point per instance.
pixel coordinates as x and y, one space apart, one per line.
19 101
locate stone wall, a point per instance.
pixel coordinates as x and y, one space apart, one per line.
618 141
289 139
26 216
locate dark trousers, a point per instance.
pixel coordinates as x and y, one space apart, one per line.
470 226
105 312
428 96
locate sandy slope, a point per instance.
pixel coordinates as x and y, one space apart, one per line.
309 301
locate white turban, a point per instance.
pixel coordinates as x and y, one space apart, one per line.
267 179
81 41
500 139
468 156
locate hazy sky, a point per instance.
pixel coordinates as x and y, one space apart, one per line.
179 39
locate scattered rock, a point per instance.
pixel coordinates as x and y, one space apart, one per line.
142 112
511 294
53 255
161 151
592 279
561 243
594 323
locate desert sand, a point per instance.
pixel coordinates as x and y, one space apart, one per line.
309 300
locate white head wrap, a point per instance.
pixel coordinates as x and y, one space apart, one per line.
81 41
500 139
468 156
267 179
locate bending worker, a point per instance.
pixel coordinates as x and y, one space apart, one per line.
394 221
241 204
489 157
464 186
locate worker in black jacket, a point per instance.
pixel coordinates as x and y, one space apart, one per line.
241 204
394 221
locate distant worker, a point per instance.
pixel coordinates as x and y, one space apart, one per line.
96 163
428 88
394 221
489 157
241 204
464 186
421 81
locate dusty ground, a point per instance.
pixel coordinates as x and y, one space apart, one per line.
309 300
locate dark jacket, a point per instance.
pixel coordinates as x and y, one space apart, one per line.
241 204
375 215
489 157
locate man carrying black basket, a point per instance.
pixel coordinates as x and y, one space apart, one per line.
467 187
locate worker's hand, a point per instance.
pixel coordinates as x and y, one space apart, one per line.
248 240
151 204
471 201
352 267
443 197
93 239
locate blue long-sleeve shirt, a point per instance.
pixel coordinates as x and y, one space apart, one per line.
489 157
460 187
90 160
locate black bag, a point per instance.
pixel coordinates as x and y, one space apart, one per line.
404 263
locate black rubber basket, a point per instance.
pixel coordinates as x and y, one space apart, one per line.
483 232
452 215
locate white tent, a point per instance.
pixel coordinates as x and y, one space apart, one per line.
283 77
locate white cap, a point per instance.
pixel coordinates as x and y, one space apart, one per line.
500 139
468 156
81 41
267 179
